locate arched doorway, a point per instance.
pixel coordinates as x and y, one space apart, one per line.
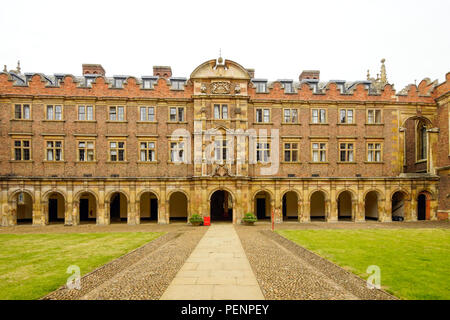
88 208
317 206
262 205
423 206
56 208
290 205
221 204
178 204
344 206
148 206
371 206
24 209
398 206
118 207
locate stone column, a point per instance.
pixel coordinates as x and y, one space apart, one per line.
39 209
132 215
381 209
163 206
331 206
69 213
360 208
412 214
103 207
387 205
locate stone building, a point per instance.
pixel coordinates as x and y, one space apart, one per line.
221 143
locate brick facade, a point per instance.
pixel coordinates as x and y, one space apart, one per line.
343 185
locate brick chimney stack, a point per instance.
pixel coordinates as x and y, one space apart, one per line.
93 69
309 74
162 71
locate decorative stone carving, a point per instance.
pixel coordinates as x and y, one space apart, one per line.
203 88
237 89
221 171
220 87
237 110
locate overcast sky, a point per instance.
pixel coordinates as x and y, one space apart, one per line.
277 38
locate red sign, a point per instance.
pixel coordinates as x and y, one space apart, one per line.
206 221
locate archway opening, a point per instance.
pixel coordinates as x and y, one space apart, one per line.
371 206
423 205
344 206
317 206
118 207
178 204
262 205
290 205
398 206
56 208
88 208
24 208
148 207
221 206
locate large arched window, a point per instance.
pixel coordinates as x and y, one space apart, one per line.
421 141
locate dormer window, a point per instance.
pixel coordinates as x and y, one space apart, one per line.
118 82
89 80
148 83
261 86
288 86
177 84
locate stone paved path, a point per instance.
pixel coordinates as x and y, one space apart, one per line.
217 269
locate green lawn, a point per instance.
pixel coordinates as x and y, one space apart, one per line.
32 265
414 263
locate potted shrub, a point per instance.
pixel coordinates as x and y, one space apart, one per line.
196 219
249 218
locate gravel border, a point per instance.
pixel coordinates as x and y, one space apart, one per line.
102 274
330 269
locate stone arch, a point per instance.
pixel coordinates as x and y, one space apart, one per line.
346 202
147 205
86 206
289 204
216 200
16 192
178 210
54 205
424 198
372 208
19 213
117 205
263 206
318 204
427 121
400 200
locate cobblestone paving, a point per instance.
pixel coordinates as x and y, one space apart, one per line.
143 274
283 269
286 271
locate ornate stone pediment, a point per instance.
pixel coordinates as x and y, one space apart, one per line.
220 87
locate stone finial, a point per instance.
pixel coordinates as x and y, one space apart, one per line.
383 77
368 75
18 66
4 68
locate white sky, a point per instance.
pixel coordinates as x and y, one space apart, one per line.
277 38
